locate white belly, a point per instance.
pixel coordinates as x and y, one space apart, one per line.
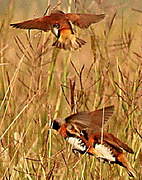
76 143
105 152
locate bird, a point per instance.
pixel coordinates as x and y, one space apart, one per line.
60 24
83 130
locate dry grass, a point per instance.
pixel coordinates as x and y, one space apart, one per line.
35 87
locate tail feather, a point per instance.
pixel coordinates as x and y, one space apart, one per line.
80 41
131 172
69 44
123 161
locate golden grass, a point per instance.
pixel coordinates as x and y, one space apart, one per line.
35 87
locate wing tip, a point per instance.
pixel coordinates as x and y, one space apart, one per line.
100 17
109 108
130 150
18 25
13 25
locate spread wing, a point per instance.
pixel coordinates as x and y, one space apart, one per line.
42 23
91 120
84 20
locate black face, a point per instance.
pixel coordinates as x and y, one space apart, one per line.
55 125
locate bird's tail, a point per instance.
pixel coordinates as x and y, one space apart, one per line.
131 172
123 161
72 43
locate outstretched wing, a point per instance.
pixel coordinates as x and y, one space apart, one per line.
91 120
42 23
84 20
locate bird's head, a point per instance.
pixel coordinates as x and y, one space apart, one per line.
56 30
64 128
57 123
60 126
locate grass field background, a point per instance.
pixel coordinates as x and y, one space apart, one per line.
36 82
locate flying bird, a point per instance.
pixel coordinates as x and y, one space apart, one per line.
60 25
83 131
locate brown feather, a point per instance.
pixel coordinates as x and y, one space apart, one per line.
111 140
45 23
125 163
42 23
91 120
84 20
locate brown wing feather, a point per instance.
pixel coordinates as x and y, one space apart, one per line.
101 115
92 120
84 20
42 23
111 139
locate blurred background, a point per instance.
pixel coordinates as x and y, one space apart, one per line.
39 83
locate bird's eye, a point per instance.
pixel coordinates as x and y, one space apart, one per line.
56 26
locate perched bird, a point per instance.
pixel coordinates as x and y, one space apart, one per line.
83 131
60 25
